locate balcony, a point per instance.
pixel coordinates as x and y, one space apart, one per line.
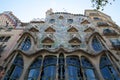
116 45
108 32
102 24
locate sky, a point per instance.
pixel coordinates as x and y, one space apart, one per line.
26 10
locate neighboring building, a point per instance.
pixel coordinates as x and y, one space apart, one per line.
10 32
66 46
7 18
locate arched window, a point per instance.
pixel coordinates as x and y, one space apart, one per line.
15 70
88 69
34 69
26 44
73 68
49 68
97 46
107 70
61 68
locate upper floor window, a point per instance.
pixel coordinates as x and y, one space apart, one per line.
52 21
109 32
7 38
34 69
69 21
107 70
96 18
15 70
4 38
26 44
115 43
102 24
97 46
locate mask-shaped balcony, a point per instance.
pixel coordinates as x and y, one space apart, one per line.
102 24
116 44
108 32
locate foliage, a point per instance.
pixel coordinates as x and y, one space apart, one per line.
100 4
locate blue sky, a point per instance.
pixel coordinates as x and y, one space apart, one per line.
26 10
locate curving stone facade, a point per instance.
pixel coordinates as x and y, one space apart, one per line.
65 46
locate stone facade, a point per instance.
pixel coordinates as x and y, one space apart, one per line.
63 46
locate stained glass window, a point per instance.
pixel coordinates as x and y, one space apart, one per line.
89 70
49 68
107 70
97 46
73 68
15 70
34 69
26 44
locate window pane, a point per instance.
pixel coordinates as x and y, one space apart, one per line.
49 68
86 63
50 61
107 70
70 21
7 38
73 61
96 45
61 69
73 68
90 74
52 21
35 69
16 73
88 69
36 63
106 74
18 61
26 44
105 61
1 38
116 76
15 70
33 74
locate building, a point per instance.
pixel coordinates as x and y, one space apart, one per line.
65 46
9 33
